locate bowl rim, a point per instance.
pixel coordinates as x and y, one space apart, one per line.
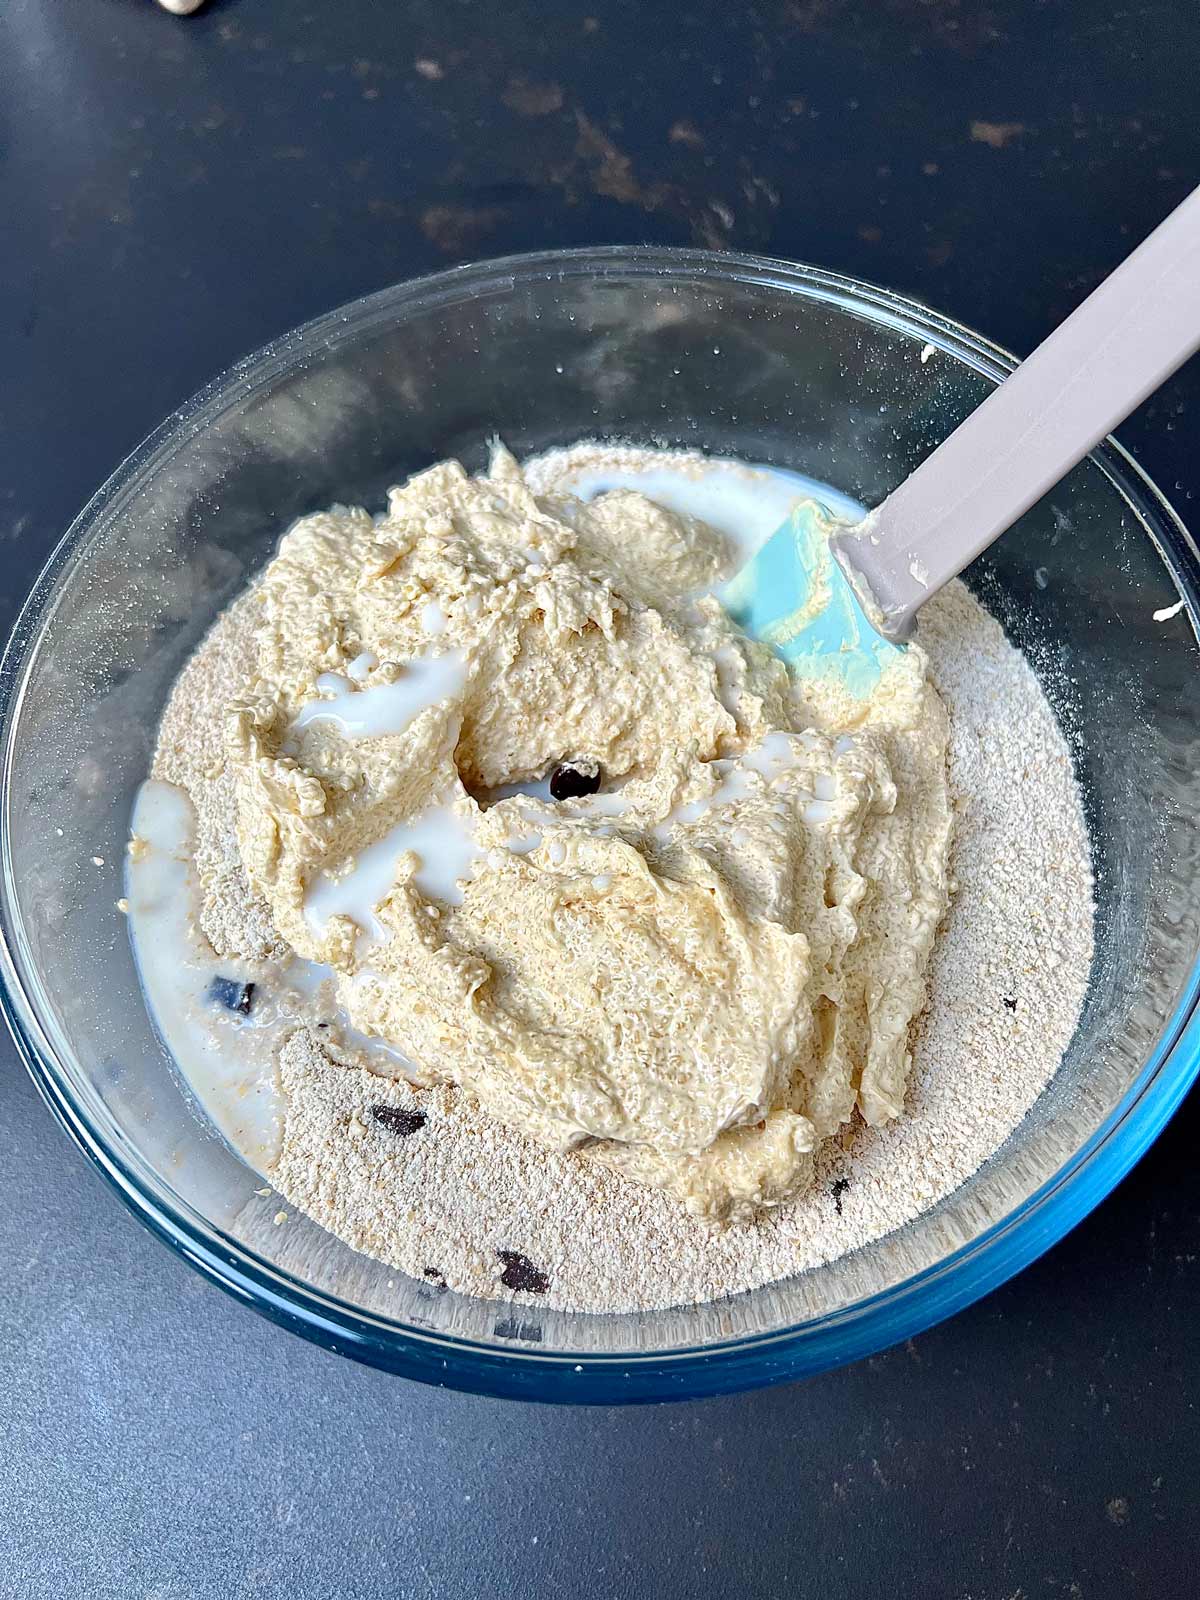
856 1330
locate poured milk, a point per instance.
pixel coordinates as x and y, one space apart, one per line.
441 839
744 502
379 709
770 759
228 1060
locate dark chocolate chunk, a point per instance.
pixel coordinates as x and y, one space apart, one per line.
397 1120
837 1189
1010 1001
520 1273
436 1279
232 994
571 781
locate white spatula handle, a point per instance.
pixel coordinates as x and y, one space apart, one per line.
1122 342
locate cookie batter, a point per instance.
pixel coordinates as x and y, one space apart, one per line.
567 840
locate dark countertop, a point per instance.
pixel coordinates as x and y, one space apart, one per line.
174 192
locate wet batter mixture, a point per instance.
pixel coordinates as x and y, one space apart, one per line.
488 797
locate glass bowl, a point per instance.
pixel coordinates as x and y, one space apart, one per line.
731 354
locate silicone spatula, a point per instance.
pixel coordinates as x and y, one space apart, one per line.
836 598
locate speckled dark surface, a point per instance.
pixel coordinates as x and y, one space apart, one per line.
175 192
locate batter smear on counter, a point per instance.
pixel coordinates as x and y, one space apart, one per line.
490 799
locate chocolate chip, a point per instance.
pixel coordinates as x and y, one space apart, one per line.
436 1278
1009 1001
837 1189
231 994
396 1120
520 1273
574 779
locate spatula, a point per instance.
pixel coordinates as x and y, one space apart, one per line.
836 598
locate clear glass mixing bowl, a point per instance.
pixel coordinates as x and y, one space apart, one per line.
737 356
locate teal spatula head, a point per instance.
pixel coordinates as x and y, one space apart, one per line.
793 595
